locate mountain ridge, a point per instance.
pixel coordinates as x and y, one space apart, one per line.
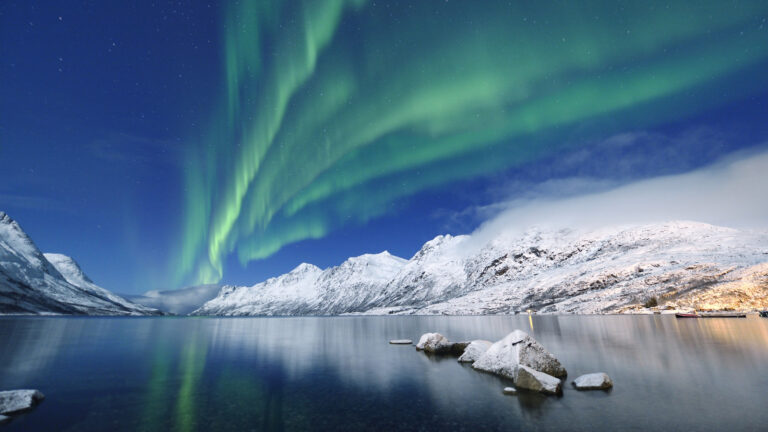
604 270
32 282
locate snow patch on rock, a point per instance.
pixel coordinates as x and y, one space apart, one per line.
530 379
474 350
15 401
517 348
593 381
434 343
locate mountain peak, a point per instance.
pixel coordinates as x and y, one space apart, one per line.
552 269
439 243
68 267
368 258
17 243
304 267
50 283
9 225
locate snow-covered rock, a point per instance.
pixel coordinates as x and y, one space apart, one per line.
607 270
530 379
32 282
517 348
14 401
401 342
593 381
474 350
4 419
434 343
509 391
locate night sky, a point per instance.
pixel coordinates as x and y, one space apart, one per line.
168 144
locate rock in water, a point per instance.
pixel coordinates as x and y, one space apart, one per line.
593 381
4 419
14 401
509 391
530 379
401 342
517 348
474 350
434 343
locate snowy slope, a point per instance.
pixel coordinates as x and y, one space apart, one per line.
285 294
308 290
613 269
31 282
436 272
606 270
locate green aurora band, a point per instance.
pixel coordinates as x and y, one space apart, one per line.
335 110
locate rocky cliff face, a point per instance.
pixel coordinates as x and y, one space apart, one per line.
35 283
617 269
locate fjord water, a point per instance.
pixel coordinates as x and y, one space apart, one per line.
240 374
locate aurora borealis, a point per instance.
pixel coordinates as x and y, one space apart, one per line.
333 111
167 144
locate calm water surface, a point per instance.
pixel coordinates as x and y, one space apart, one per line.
240 374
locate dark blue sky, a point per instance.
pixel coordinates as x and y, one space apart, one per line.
101 104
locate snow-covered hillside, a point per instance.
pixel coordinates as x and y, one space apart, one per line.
37 283
678 264
354 286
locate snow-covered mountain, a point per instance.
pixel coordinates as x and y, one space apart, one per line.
353 286
618 269
35 283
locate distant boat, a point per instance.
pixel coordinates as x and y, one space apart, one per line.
724 315
764 314
687 315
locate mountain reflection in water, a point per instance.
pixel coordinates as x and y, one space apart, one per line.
189 374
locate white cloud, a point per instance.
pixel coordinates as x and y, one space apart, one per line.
732 192
181 301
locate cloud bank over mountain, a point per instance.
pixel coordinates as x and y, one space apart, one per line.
730 193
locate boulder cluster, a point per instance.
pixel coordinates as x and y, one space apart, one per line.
517 357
